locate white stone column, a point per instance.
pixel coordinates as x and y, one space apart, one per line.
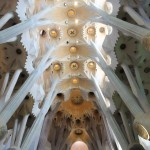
11 32
126 125
5 18
136 17
119 86
14 132
5 143
109 136
46 127
11 85
141 118
139 33
5 82
135 89
139 82
97 139
21 131
101 103
60 138
17 99
64 140
92 139
37 125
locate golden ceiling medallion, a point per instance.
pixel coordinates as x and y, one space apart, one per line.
71 13
73 49
57 67
75 81
74 66
91 65
54 33
72 32
91 31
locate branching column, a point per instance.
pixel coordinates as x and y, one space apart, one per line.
139 33
126 125
46 128
5 19
37 125
137 92
17 99
11 32
128 98
21 131
101 103
11 85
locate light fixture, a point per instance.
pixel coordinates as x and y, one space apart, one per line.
75 80
53 33
73 49
76 21
57 67
75 3
91 65
74 66
71 13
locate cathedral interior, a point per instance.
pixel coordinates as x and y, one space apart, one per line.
74 74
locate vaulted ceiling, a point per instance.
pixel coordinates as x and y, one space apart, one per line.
74 71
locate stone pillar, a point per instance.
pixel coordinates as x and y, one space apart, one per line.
14 132
11 32
101 103
97 139
63 142
37 125
92 139
17 99
11 85
141 118
60 138
139 82
136 17
5 142
5 82
109 136
46 127
126 125
5 18
21 131
135 89
3 132
119 86
139 33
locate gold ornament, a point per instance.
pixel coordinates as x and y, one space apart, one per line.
57 67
